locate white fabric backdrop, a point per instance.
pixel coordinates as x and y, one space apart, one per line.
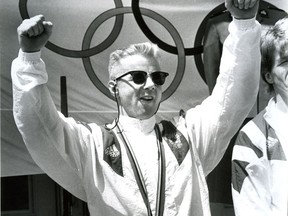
85 101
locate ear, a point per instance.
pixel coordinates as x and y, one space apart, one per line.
269 78
113 87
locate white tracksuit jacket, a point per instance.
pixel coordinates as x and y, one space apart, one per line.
260 165
72 154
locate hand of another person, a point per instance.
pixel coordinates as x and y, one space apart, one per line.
242 9
34 33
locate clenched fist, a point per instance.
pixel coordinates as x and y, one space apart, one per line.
34 33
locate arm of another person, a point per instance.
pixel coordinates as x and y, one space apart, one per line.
215 34
56 143
213 123
251 173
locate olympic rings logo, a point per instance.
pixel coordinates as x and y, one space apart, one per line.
137 12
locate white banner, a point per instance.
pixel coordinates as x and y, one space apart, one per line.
84 34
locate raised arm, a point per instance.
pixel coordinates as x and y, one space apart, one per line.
52 140
213 123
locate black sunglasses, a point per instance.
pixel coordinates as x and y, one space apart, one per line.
140 77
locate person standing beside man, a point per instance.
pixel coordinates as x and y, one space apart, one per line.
136 166
259 160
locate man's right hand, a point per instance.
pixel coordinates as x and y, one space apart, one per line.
34 33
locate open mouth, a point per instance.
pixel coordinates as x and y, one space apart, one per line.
147 98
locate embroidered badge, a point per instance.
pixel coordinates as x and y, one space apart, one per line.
112 151
176 142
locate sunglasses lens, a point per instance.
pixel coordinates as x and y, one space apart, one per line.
139 77
159 77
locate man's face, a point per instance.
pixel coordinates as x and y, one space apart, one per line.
280 73
139 101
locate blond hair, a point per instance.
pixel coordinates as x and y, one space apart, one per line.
146 49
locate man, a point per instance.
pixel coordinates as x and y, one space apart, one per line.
135 166
259 162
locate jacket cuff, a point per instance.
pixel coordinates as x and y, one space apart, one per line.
244 24
24 56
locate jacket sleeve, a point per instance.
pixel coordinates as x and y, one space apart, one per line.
251 175
56 143
212 124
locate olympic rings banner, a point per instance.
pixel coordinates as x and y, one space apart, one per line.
84 34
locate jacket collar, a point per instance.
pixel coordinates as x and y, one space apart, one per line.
136 125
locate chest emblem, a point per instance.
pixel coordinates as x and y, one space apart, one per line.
112 151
